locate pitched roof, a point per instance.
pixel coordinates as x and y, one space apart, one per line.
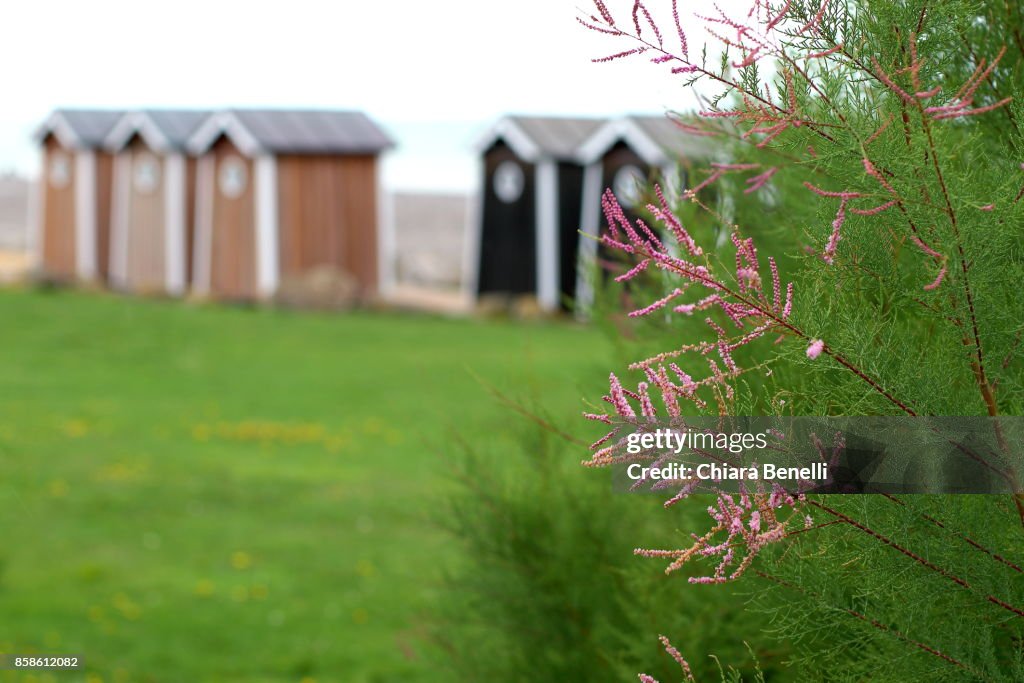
162 129
536 137
293 131
657 139
176 125
80 128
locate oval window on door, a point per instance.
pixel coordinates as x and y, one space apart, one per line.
509 181
59 172
233 177
146 175
628 185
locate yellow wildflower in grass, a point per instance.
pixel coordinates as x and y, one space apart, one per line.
75 429
58 488
204 588
360 615
128 608
241 560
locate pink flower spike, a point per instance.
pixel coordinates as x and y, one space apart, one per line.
816 19
833 241
884 78
778 17
875 210
674 653
825 53
619 55
828 193
603 9
938 280
925 248
758 181
815 349
987 207
925 94
634 271
679 29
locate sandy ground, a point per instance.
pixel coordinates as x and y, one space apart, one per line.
14 265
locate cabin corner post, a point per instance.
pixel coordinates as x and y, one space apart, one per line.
85 215
120 188
36 229
590 219
174 224
387 251
473 237
267 245
547 235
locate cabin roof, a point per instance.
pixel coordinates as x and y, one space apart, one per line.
293 131
657 139
79 128
541 137
162 129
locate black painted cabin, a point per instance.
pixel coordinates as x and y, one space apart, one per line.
531 201
508 238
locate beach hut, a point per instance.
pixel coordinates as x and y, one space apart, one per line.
153 200
281 193
72 215
525 233
624 155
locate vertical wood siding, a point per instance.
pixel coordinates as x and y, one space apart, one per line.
58 257
233 244
104 212
327 208
190 216
146 270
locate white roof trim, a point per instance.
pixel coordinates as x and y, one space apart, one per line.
137 123
627 130
515 137
224 123
59 127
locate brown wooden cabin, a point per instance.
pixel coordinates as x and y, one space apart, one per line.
72 235
153 214
279 193
625 155
526 235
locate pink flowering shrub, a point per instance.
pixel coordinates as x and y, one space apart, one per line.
872 265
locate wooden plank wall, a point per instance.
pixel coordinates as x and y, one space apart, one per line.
104 209
146 236
190 216
233 255
58 257
327 212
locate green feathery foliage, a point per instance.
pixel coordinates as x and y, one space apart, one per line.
890 135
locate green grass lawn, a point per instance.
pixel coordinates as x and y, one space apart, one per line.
198 493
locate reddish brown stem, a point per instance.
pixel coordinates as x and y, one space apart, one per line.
914 556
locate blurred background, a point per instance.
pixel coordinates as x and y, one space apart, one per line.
210 492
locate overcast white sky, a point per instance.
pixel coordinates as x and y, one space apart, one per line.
434 72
